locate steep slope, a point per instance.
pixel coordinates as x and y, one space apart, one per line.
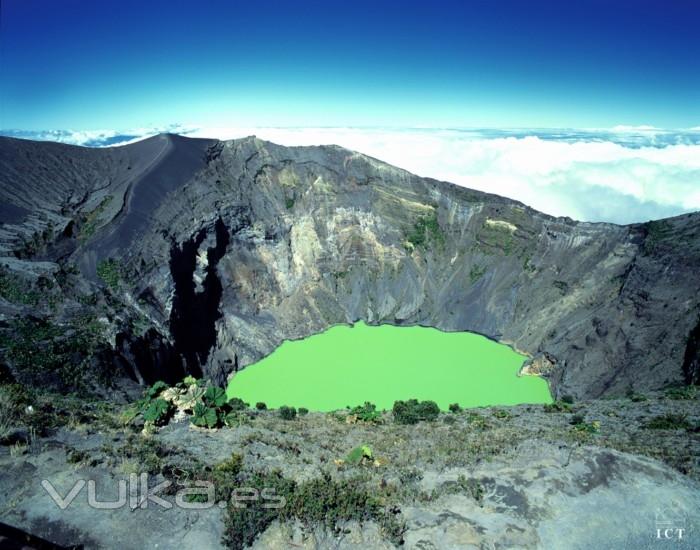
224 249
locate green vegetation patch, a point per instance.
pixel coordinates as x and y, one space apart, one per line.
669 421
557 406
425 230
89 225
476 272
414 411
366 413
110 272
498 237
17 290
323 502
52 356
685 393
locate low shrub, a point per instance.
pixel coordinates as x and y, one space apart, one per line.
158 411
669 421
681 392
210 407
568 399
11 403
637 397
237 404
242 525
214 397
46 355
189 380
156 389
322 502
215 409
146 452
331 503
455 408
502 414
359 455
476 272
287 413
110 271
586 427
366 413
425 229
152 407
303 411
261 406
414 411
557 406
225 476
477 421
472 487
204 416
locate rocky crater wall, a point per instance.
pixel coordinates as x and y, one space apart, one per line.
265 243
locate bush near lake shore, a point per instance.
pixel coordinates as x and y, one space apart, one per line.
288 413
413 411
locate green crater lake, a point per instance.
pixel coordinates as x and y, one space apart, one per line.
348 365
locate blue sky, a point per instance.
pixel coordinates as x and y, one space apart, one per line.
500 63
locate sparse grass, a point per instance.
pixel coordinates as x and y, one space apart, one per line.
10 408
685 393
110 272
54 356
17 291
476 272
563 286
496 237
502 414
319 503
585 427
557 406
669 421
89 225
425 230
147 453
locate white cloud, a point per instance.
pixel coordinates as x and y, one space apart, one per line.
622 175
641 128
95 138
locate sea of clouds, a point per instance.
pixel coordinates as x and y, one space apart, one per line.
620 175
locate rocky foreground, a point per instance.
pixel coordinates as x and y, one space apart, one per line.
594 474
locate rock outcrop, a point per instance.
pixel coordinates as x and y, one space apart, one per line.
225 249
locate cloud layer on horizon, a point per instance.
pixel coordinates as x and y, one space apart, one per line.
622 175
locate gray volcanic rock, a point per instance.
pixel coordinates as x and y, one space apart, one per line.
540 492
228 248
